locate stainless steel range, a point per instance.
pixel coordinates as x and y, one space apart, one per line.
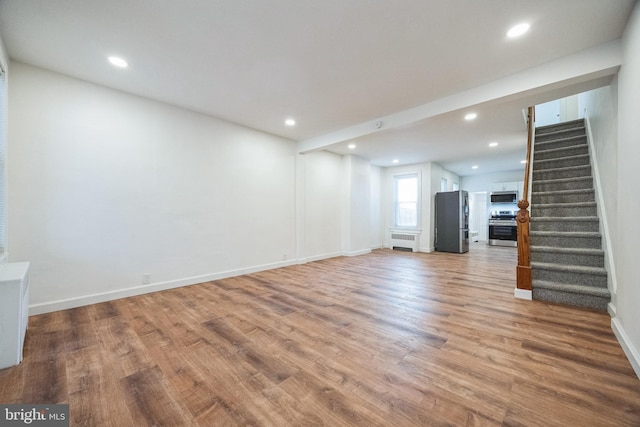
503 228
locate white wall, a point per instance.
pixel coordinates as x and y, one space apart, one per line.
600 110
627 322
105 187
558 110
356 206
338 206
376 220
437 173
320 185
4 64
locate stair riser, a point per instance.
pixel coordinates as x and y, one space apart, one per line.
564 152
537 198
568 298
596 260
559 143
588 226
568 133
595 281
565 162
581 172
575 184
566 241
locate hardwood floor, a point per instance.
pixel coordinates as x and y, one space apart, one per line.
391 338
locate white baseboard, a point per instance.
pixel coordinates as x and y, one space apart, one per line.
627 346
611 309
318 257
356 253
80 301
522 294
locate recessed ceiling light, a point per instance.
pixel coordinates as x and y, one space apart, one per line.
395 160
290 122
470 116
474 167
352 146
118 62
493 144
518 30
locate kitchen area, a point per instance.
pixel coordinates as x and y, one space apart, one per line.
492 218
503 229
484 213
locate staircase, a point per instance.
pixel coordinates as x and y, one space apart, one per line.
567 261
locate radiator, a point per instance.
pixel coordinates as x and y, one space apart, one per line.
404 241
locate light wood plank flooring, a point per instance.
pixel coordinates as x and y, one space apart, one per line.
390 339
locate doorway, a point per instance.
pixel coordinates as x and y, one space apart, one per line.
478 214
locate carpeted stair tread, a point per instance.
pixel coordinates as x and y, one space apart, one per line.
566 239
565 205
562 151
582 269
542 253
567 141
563 180
571 140
571 124
564 192
577 299
558 184
572 288
579 168
563 196
574 251
577 160
567 233
560 133
564 218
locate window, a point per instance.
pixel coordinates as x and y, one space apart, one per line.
456 186
443 184
405 196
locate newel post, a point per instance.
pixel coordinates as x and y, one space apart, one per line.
523 272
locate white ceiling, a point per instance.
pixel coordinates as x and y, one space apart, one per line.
330 64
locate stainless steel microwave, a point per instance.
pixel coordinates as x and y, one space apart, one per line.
504 197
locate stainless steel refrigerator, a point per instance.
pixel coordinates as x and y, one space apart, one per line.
452 221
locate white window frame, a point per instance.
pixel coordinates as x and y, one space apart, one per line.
394 180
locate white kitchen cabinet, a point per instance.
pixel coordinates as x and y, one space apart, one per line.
504 186
14 311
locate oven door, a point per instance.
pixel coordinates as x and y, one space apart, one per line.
502 233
